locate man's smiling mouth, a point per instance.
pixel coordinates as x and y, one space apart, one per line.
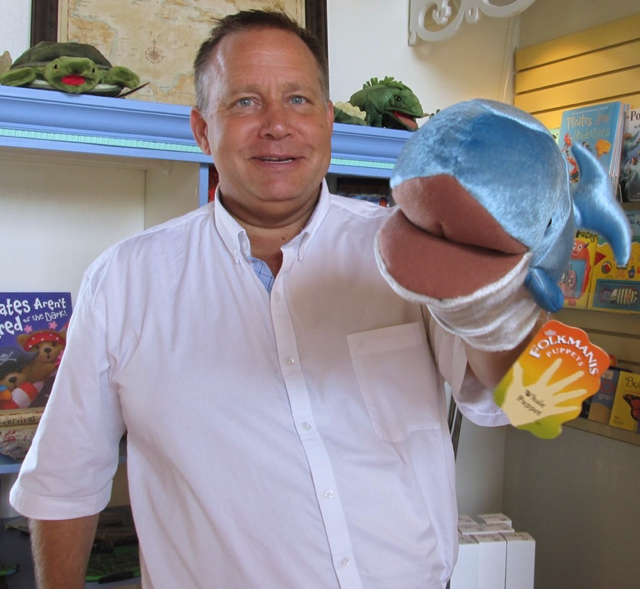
277 160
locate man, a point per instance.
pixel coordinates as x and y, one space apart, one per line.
284 407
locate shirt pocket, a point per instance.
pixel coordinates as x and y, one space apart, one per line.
397 379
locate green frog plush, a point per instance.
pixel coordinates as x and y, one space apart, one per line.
70 67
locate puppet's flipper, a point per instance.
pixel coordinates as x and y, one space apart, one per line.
545 292
595 207
18 77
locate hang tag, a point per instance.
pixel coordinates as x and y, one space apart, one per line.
546 386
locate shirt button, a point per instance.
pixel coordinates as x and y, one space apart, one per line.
276 296
344 562
328 494
290 361
306 425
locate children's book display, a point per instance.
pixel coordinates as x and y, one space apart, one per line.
625 409
576 279
33 328
630 167
593 280
599 129
616 288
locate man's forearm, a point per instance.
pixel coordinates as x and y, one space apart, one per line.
61 551
490 367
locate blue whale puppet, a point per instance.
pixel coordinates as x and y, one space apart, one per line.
480 186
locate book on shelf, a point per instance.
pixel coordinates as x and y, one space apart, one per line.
617 288
630 165
575 281
374 190
602 401
599 129
625 410
33 328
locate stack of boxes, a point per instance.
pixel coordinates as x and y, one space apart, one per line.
492 555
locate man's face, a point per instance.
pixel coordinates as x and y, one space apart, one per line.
267 125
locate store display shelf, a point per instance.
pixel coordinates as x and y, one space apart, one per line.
608 431
99 125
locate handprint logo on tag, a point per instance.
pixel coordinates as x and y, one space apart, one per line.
547 384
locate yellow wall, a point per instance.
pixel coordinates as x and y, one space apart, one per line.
590 67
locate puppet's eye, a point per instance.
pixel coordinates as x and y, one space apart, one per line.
55 67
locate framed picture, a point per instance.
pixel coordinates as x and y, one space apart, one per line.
157 40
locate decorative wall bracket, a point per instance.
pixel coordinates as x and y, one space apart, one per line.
436 20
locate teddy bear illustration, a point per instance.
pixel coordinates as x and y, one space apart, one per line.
18 389
48 345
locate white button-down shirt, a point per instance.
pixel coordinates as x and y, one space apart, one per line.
289 441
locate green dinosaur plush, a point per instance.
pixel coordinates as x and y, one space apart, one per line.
388 103
70 67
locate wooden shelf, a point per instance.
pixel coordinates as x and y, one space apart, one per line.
616 333
608 431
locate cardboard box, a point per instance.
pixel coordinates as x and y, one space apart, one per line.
466 519
497 528
494 518
469 529
625 411
602 401
465 573
521 559
575 282
492 561
484 529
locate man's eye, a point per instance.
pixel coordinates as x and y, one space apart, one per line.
245 102
298 100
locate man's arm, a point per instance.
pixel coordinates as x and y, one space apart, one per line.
490 367
61 551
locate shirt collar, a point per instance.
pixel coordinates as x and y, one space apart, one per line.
235 237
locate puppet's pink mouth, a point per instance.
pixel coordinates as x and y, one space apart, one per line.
441 243
73 80
406 120
440 205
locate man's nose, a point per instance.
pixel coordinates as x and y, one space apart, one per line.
276 121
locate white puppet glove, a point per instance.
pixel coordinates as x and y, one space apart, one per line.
496 317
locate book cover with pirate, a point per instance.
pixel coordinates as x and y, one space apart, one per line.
33 327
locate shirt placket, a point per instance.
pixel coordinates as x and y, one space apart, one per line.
316 453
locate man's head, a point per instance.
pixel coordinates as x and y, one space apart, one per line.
246 21
264 117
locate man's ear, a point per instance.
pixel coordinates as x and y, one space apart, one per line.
199 130
330 114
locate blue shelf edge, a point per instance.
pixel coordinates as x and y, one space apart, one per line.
58 121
